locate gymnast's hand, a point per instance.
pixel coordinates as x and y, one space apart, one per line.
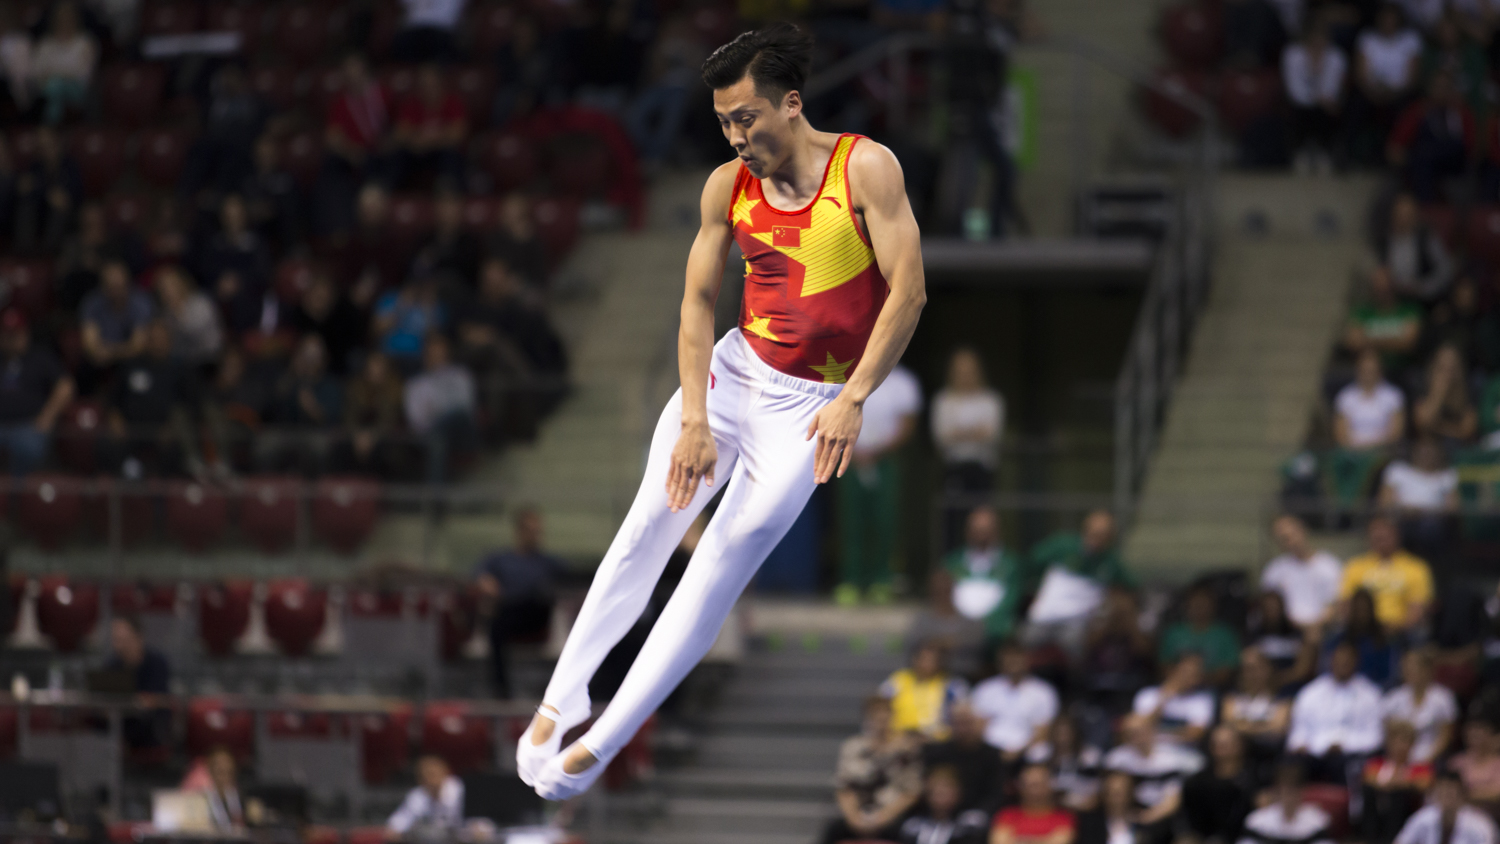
837 428
694 457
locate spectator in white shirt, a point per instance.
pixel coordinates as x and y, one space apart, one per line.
440 407
1387 59
1288 818
1423 703
869 494
1159 769
63 64
1423 494
15 56
435 806
1313 71
1306 579
1018 708
1181 707
1336 719
427 32
968 418
1446 819
1370 413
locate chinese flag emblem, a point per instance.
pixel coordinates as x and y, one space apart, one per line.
786 236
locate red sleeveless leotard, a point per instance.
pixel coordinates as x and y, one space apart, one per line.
812 288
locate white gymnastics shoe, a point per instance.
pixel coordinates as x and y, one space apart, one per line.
531 757
554 783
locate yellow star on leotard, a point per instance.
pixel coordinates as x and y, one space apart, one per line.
761 327
833 371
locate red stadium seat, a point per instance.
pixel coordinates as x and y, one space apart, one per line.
459 612
224 614
476 84
368 835
196 515
30 284
303 30
169 17
301 724
137 509
268 512
411 217
462 739
1484 234
302 154
399 81
344 511
384 743
375 603
322 85
160 154
51 509
1333 799
480 213
100 153
66 612
509 158
210 725
8 730
274 83
580 165
1193 34
295 613
556 225
293 277
246 18
385 23
1168 115
490 26
1246 96
133 93
126 212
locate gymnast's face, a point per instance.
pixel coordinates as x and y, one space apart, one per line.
759 130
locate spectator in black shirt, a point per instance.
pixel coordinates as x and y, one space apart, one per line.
233 118
237 267
1216 800
306 407
326 312
153 675
147 419
515 241
520 587
941 817
975 762
34 389
233 409
508 339
1116 820
47 194
272 199
452 251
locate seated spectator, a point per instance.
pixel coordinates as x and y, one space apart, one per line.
1384 325
1416 259
359 116
922 696
369 260
1446 411
226 806
432 126
1433 139
1200 632
968 417
47 194
1424 494
1074 764
232 409
427 33
941 815
879 778
1399 583
1379 658
197 338
512 342
435 808
1289 817
273 201
305 408
1181 707
113 319
325 311
63 63
1385 77
988 580
1074 570
1393 784
1426 705
152 675
404 319
147 413
1119 656
15 57
962 638
1479 763
1291 652
520 585
452 252
1336 720
237 265
82 257
1018 707
1369 412
1159 769
34 391
967 754
372 422
515 241
1115 819
1313 71
1216 800
656 115
1306 579
1037 819
220 160
1257 711
440 407
165 238
1446 819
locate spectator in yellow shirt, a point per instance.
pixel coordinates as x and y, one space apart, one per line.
922 696
1400 582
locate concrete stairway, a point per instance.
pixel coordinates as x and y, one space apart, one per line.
1284 256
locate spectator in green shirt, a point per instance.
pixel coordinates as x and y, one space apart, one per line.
1071 572
1385 324
988 580
1199 633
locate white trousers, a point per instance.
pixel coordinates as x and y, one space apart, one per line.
759 419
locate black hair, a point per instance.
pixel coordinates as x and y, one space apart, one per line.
776 57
